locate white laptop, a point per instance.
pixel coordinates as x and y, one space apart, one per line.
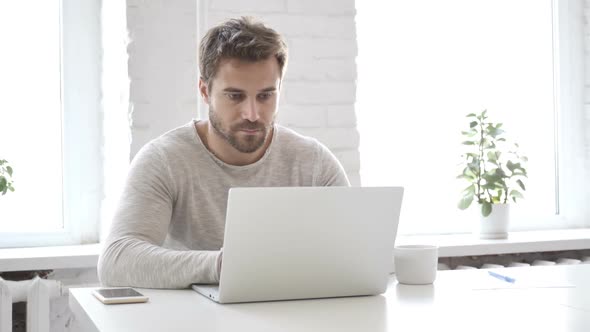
306 242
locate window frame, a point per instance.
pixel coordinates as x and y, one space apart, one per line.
82 172
569 112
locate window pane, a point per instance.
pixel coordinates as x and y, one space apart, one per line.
30 115
435 62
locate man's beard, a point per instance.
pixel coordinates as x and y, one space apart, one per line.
245 144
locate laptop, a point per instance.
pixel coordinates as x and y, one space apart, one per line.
288 243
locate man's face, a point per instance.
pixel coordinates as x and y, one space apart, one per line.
243 102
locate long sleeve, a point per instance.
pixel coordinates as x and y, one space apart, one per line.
133 254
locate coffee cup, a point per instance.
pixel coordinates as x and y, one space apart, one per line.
415 264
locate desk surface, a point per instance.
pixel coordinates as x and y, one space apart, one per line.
543 298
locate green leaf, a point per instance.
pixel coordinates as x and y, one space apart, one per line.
489 186
500 173
3 183
470 115
468 172
469 190
494 132
465 202
487 144
516 193
9 170
466 177
473 124
525 159
520 184
511 166
473 169
470 133
486 209
468 143
500 193
491 176
519 171
492 156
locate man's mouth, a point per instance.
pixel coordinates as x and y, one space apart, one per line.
250 131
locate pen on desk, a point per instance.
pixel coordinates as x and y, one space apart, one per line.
501 277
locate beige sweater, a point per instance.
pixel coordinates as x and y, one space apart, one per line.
168 229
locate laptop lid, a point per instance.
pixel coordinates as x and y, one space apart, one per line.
308 242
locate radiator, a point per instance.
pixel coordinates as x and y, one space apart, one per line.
478 264
36 293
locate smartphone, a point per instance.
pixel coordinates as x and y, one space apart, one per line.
119 295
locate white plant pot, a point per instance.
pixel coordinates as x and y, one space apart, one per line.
495 226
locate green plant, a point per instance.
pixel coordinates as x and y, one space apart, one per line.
6 182
493 167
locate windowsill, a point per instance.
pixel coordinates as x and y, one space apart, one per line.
86 256
518 242
49 258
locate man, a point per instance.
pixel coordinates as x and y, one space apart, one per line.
168 229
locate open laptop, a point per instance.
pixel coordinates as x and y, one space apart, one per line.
306 242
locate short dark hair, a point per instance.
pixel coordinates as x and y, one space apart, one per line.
243 38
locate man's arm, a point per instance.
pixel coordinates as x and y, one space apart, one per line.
133 254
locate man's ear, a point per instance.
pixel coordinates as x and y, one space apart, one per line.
204 90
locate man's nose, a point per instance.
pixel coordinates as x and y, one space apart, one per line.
250 110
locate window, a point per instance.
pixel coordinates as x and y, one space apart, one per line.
31 115
51 121
438 61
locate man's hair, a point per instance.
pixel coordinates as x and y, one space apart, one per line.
243 38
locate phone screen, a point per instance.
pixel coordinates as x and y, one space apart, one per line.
109 293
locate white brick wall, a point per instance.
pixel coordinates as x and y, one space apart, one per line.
327 7
162 66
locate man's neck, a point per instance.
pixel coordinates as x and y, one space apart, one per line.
223 150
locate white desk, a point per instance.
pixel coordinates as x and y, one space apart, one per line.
544 298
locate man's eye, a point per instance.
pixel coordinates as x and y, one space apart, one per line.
234 96
265 96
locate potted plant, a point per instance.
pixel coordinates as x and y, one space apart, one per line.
495 172
6 182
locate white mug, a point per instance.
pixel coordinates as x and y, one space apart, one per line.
415 264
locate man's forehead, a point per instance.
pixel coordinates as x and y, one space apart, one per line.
234 71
